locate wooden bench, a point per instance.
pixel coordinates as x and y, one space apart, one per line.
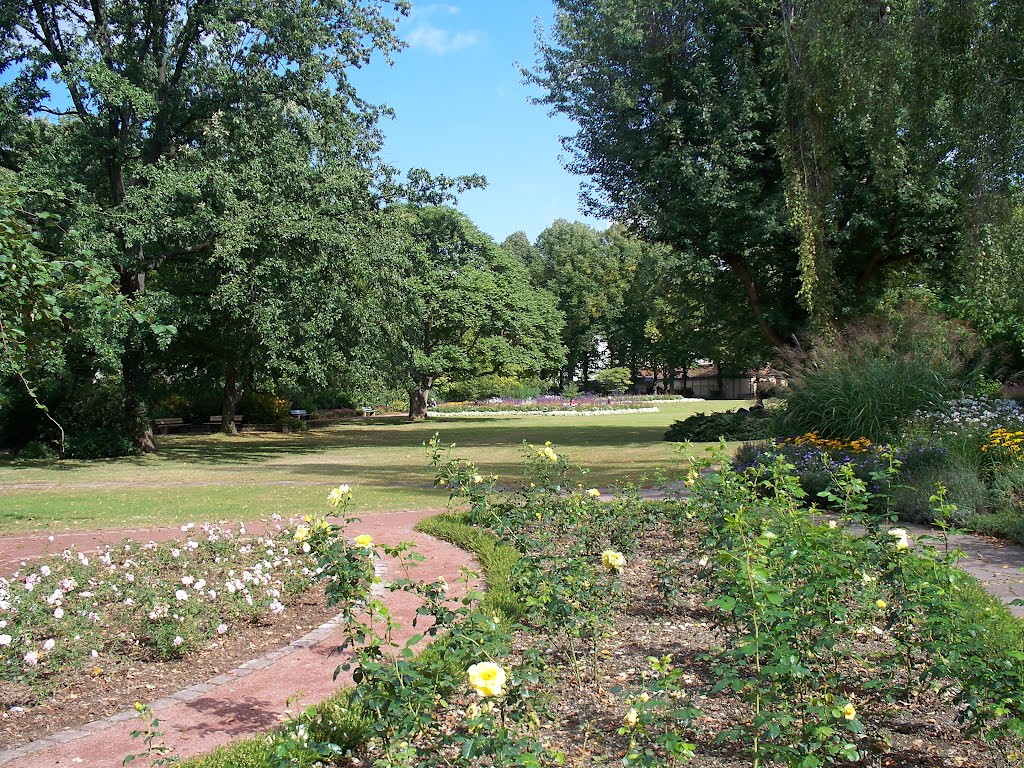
217 421
368 410
163 426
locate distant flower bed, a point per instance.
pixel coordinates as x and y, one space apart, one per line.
72 612
555 403
578 411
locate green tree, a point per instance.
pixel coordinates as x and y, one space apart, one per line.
573 263
280 301
676 105
470 307
815 153
147 89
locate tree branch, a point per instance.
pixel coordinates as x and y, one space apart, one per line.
738 266
156 261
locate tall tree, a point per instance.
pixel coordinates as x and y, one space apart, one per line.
676 104
471 308
573 263
282 297
812 151
142 88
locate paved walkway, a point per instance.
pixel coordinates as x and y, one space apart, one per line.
254 699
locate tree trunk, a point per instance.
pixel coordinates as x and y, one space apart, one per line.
739 268
232 394
718 381
418 399
133 373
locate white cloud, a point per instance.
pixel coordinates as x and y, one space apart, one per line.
427 10
440 41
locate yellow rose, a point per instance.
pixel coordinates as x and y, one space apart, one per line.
849 712
632 717
301 533
593 492
487 678
881 604
338 495
902 537
612 560
364 540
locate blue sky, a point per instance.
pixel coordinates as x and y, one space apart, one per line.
461 107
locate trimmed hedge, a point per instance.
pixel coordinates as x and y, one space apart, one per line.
743 425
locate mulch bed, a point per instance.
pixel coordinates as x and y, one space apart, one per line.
118 686
921 732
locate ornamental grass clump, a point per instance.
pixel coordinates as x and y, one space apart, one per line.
875 374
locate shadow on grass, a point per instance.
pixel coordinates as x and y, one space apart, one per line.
383 432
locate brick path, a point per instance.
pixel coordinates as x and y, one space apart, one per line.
248 700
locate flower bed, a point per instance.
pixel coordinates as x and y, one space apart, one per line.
555 403
75 613
578 411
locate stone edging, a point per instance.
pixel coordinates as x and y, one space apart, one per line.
197 691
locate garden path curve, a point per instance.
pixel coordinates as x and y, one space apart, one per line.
253 698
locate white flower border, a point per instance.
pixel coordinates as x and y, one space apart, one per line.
567 412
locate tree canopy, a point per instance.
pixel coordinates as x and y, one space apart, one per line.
814 153
471 308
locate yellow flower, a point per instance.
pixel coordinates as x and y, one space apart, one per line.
612 560
593 492
881 604
478 478
849 712
901 536
632 717
364 540
301 533
487 678
338 495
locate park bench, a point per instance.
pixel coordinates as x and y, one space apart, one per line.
163 426
298 413
368 410
217 421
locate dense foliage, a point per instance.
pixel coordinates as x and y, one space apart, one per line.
802 158
745 425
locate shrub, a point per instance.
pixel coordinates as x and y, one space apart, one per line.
745 425
484 387
36 450
173 406
99 443
263 408
615 379
868 380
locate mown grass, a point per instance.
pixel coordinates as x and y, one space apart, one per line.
203 477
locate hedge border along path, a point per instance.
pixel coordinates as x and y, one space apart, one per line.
251 699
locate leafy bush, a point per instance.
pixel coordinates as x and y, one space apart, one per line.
173 406
755 424
99 443
484 387
263 408
36 450
868 380
615 379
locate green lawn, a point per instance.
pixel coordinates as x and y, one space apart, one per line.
204 477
